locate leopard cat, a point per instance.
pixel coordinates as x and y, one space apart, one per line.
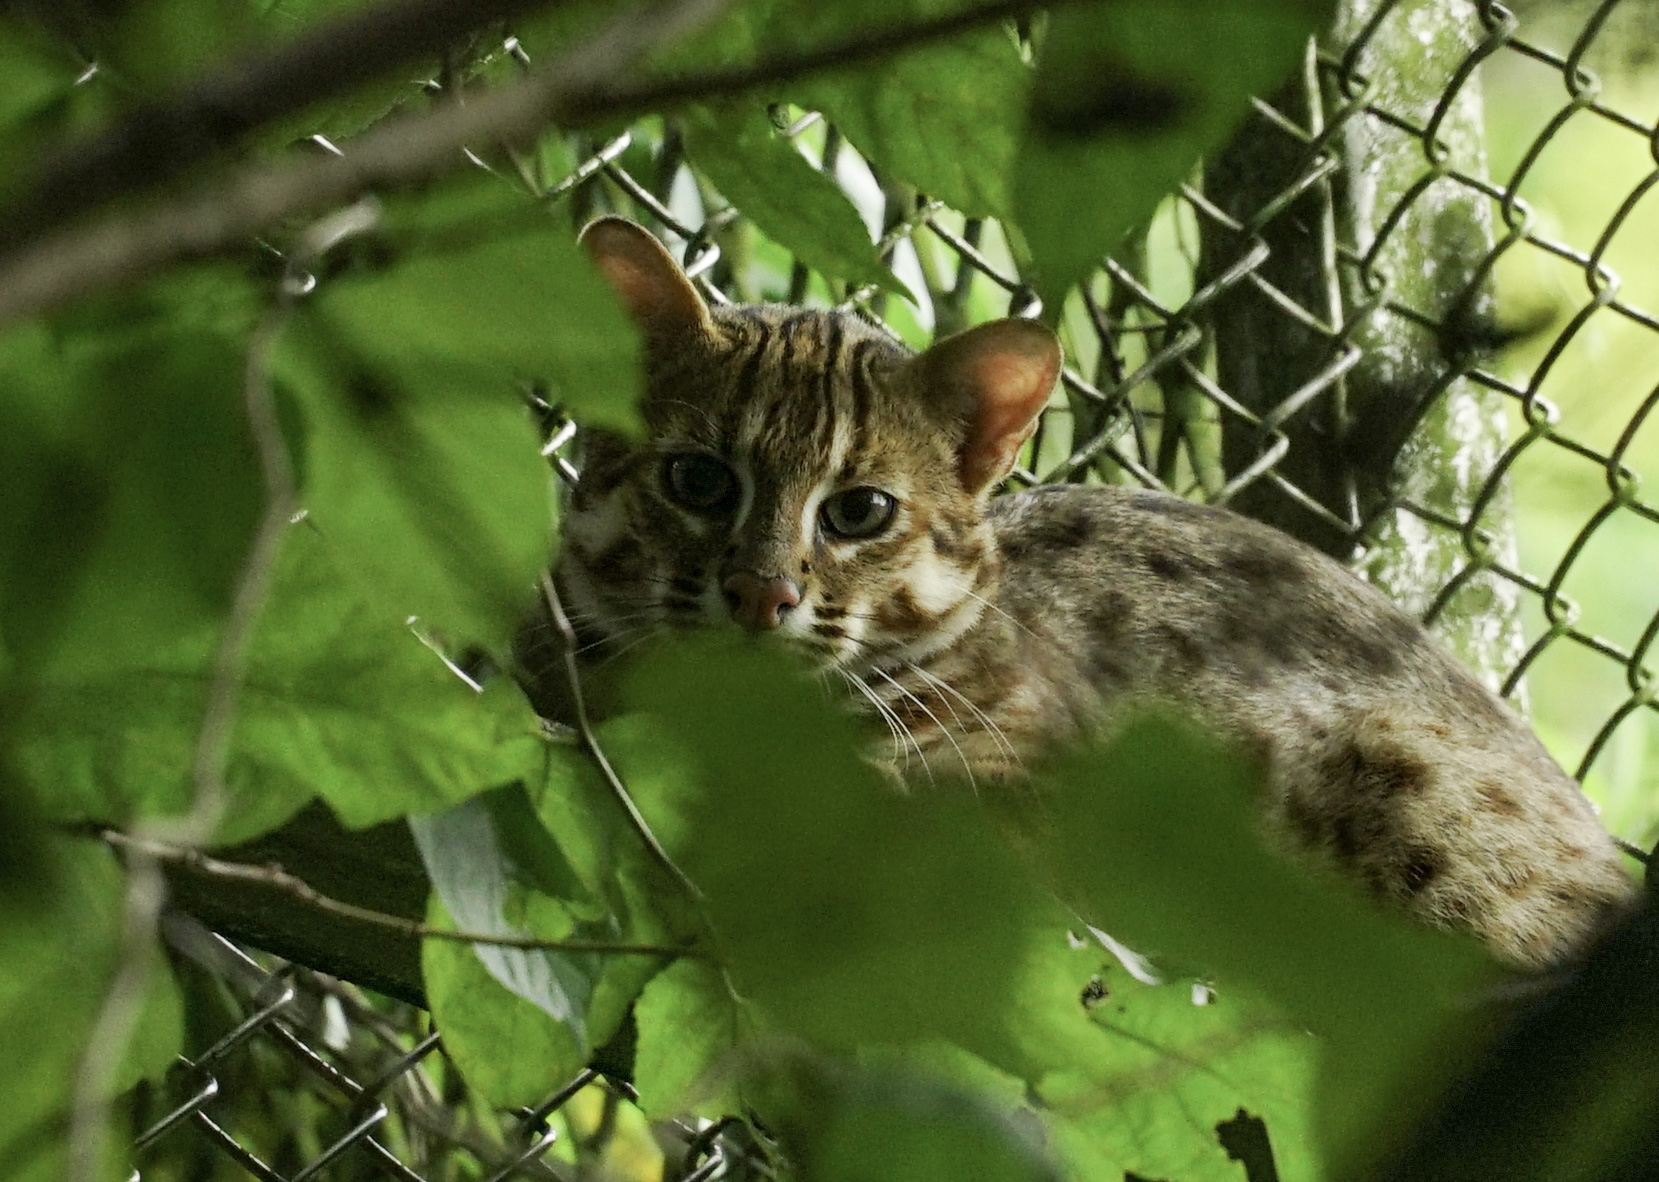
805 476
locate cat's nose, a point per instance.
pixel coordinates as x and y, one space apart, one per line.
758 602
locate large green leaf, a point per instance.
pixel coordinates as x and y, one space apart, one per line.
1136 1077
57 960
1154 835
690 1027
340 700
945 118
424 463
495 871
1128 96
847 913
841 1124
793 203
513 1052
127 473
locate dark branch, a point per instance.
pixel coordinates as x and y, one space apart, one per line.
276 878
577 89
163 139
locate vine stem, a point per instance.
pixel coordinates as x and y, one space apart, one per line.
275 877
146 889
555 609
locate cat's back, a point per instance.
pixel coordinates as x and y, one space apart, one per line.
1386 756
1156 590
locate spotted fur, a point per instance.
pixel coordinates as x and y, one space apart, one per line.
977 632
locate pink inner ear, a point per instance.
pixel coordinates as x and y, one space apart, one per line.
1007 369
644 275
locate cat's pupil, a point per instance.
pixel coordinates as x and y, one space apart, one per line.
858 512
700 482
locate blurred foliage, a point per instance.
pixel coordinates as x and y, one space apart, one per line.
881 986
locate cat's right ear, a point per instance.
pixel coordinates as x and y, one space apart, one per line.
652 287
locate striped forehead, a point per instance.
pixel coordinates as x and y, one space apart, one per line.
791 391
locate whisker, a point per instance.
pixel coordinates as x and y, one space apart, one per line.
943 729
629 647
985 720
1003 614
901 733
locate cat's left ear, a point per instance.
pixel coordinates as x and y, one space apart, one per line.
996 379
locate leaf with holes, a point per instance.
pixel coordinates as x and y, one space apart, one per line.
1153 834
792 203
1127 97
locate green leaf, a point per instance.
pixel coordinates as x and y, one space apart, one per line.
792 202
1128 96
689 1030
129 481
945 118
484 275
907 925
39 72
339 700
599 840
1135 1078
424 464
57 960
841 1124
1154 835
514 1053
485 859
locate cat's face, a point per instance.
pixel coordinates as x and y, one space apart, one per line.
800 475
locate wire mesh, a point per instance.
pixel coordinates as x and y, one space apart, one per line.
1510 451
304 1076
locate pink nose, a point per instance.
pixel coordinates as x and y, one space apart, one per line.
757 602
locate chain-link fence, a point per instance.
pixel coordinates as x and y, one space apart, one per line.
1405 315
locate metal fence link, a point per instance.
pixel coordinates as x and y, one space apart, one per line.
1353 324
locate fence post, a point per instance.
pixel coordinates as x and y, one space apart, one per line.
1391 444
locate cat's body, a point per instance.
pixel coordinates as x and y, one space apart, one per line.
803 475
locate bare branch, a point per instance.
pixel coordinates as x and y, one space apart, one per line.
577 89
162 139
404 148
276 878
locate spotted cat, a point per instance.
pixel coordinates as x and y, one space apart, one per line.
805 476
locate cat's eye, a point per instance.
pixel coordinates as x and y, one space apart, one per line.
700 482
858 512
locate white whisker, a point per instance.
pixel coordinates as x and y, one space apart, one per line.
985 720
943 729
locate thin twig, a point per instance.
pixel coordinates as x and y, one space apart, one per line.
276 878
164 138
1634 850
146 891
577 89
74 262
556 610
